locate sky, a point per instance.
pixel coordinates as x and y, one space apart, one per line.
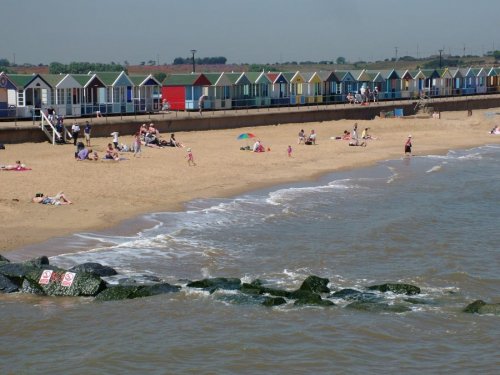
251 31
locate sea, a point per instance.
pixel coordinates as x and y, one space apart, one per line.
430 221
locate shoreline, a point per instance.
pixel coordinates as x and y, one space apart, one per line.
161 181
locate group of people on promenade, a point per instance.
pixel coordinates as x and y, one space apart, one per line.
363 96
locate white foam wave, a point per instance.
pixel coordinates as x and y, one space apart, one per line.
434 169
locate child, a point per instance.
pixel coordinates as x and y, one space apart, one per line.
190 158
289 150
137 144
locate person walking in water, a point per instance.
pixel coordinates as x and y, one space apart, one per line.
408 146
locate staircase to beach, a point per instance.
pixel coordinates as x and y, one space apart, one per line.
51 132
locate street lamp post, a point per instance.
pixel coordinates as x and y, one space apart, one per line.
193 51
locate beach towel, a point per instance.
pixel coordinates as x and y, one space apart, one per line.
19 169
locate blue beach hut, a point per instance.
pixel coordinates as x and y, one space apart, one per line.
31 93
118 92
279 89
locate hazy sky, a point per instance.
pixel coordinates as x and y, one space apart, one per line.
252 31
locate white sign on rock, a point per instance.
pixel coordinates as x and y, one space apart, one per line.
45 278
68 279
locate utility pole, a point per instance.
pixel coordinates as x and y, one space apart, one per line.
440 59
193 51
396 49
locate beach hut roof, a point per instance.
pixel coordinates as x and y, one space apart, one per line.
193 79
22 80
144 80
257 77
344 75
328 76
389 74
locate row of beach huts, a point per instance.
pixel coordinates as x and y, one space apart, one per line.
108 93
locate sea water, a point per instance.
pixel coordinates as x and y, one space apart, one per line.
431 221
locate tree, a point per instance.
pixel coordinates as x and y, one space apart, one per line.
340 60
496 55
4 62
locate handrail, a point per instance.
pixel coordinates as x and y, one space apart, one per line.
54 131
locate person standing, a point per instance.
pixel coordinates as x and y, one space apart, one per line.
408 146
137 144
86 131
75 132
115 135
354 134
289 151
190 157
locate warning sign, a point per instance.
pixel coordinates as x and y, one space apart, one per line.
68 279
45 278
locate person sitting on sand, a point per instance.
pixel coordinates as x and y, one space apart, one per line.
58 200
143 130
311 140
495 130
365 134
87 154
356 142
258 147
111 153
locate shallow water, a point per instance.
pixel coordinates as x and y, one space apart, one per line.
429 221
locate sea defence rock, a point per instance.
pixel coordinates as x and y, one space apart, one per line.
481 307
274 301
354 295
213 284
377 307
95 268
7 286
3 259
53 281
396 288
120 292
312 299
315 284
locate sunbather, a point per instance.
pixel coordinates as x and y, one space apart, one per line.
58 200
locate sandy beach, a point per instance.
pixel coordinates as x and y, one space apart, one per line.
107 192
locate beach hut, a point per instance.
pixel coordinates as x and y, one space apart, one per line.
313 88
6 109
296 89
30 94
146 93
279 89
65 95
347 83
430 77
330 87
218 92
118 92
445 83
391 88
480 77
493 82
260 85
93 96
458 81
468 81
183 91
241 93
408 84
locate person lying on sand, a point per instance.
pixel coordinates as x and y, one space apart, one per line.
58 200
18 166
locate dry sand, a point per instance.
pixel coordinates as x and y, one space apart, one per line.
107 192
